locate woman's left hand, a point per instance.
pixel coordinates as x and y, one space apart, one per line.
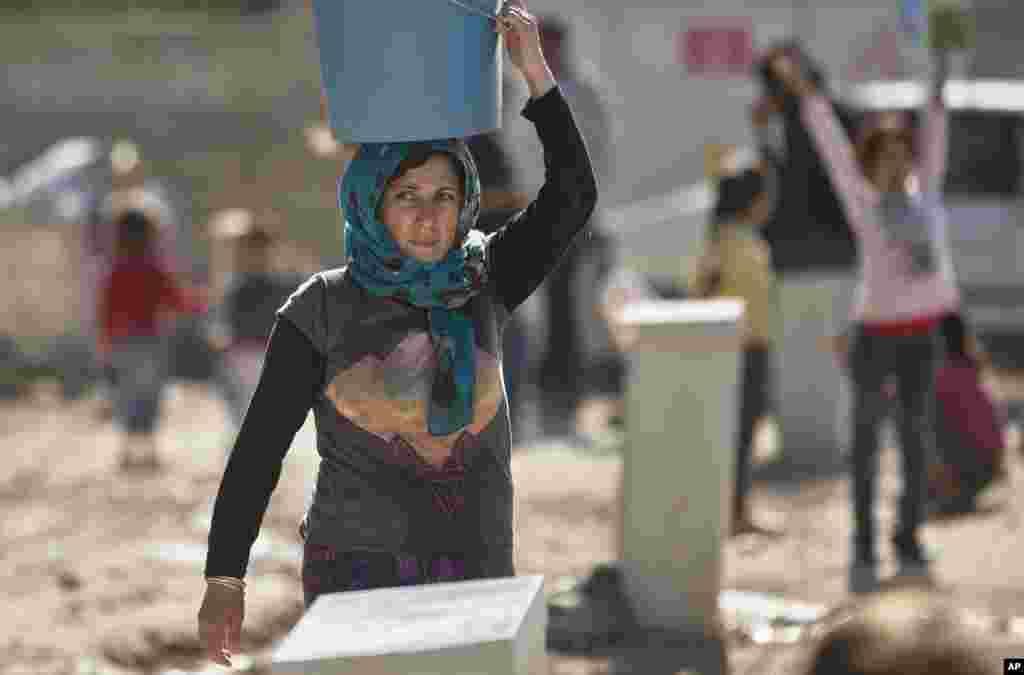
790 73
522 38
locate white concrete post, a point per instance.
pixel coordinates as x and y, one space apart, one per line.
494 626
678 464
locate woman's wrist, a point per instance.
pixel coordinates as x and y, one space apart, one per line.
792 77
941 66
539 80
800 86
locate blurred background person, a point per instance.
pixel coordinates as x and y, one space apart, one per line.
970 426
503 195
600 420
736 263
123 186
891 187
244 316
133 301
806 194
579 359
813 254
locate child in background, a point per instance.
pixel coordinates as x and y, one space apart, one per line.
736 263
891 188
245 316
132 303
600 420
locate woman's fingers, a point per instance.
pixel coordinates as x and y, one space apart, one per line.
220 623
523 17
507 7
234 633
214 643
517 14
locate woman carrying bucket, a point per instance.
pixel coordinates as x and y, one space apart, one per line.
399 356
891 188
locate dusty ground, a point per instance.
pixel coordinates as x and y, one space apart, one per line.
102 573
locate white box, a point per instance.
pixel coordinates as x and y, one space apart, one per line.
485 627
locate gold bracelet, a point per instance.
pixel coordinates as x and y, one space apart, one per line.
230 582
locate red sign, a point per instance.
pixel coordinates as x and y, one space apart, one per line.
717 49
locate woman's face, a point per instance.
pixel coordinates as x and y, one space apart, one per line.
895 162
253 255
421 209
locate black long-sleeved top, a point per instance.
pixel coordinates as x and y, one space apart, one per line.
364 364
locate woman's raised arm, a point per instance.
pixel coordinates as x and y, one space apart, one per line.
529 246
933 136
286 391
830 139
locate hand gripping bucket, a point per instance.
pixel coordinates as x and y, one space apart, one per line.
404 70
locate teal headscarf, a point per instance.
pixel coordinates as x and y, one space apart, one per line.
444 287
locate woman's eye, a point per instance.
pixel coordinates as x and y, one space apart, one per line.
412 196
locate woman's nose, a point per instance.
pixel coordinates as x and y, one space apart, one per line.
429 215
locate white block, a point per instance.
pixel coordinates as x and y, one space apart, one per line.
493 626
677 475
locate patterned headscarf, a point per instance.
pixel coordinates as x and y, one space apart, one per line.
444 287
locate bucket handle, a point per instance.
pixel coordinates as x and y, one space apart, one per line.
474 10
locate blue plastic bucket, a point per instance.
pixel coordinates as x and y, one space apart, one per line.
403 70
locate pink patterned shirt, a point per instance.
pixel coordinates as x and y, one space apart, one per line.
893 287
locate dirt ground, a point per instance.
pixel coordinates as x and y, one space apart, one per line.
101 573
